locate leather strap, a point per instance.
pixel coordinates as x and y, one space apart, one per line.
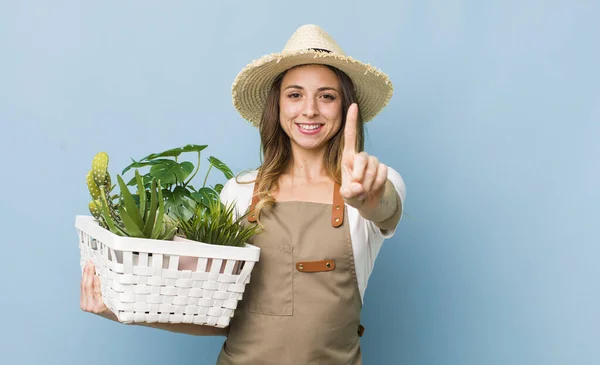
315 266
337 209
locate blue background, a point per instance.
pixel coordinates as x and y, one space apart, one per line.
494 126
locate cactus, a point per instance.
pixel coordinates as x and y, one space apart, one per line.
99 185
100 168
95 206
92 186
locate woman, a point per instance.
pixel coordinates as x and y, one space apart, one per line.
325 206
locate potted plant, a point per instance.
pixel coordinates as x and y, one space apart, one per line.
139 242
142 219
176 177
214 224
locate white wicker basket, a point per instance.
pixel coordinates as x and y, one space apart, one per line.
143 280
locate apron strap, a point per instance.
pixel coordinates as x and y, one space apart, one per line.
337 209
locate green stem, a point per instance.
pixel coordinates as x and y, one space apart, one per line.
204 183
195 172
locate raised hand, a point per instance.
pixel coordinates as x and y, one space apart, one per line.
363 176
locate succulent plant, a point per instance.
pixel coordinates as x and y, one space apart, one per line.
146 219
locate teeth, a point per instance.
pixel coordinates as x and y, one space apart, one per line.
309 126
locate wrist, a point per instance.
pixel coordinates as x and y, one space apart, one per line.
384 208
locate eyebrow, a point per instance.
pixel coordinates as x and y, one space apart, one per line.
319 89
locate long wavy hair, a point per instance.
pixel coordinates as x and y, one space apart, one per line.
276 150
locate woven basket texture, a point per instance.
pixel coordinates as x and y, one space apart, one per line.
178 281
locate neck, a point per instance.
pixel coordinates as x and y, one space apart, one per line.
306 165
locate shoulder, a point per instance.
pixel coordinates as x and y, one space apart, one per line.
238 190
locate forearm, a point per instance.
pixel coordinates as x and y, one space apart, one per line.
186 328
387 212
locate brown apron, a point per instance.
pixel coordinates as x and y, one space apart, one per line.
302 304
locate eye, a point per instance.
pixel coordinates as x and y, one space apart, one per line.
328 96
294 95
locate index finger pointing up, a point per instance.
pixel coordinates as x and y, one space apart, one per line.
350 130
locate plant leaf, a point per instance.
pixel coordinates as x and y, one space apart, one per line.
193 147
221 167
205 196
169 172
175 152
158 225
141 194
132 210
112 226
149 225
146 180
188 167
131 227
218 188
180 203
138 164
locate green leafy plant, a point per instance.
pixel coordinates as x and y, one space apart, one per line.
216 224
165 202
146 219
143 217
181 198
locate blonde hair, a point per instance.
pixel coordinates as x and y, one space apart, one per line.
276 151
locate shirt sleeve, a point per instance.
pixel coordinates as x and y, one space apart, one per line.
398 182
226 192
238 194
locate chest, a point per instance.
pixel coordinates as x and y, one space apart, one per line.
316 193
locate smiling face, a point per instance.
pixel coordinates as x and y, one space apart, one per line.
310 106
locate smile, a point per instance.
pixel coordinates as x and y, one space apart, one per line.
311 128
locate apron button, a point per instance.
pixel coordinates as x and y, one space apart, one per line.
337 220
300 266
328 264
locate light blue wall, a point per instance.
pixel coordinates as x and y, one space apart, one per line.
494 126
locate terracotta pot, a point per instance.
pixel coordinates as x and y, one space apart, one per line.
190 263
186 262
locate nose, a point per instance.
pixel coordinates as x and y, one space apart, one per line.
311 108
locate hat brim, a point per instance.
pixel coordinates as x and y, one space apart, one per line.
251 86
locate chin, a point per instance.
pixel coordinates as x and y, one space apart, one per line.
309 146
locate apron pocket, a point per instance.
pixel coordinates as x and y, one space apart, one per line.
270 289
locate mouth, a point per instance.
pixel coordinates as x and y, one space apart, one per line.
309 128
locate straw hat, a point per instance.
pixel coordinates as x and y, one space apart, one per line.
309 44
